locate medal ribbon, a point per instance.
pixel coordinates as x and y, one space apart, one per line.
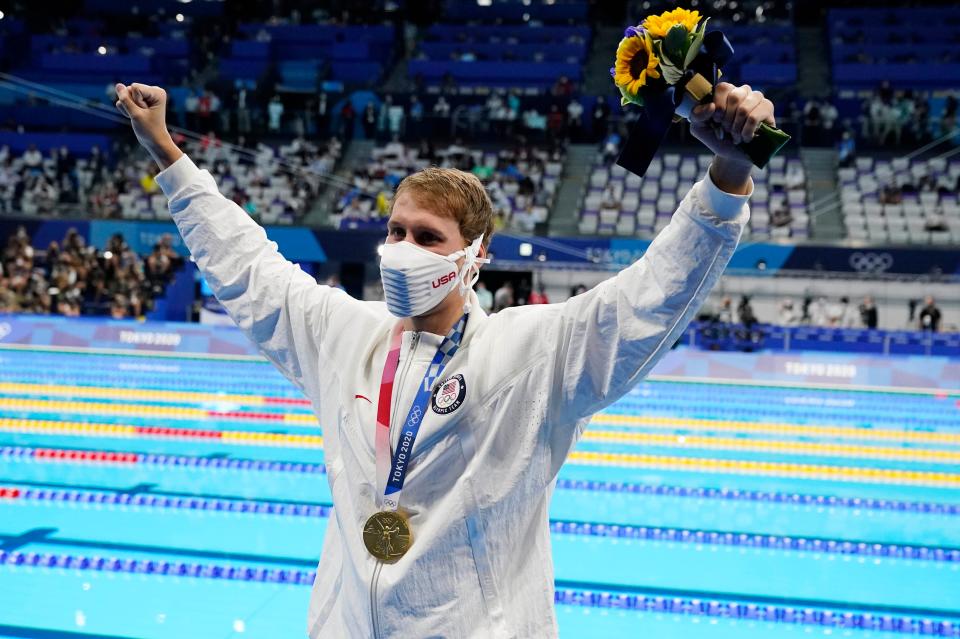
391 472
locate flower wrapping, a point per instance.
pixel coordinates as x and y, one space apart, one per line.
667 65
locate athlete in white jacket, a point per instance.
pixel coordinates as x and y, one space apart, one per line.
448 537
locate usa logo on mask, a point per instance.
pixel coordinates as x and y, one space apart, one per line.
448 395
440 281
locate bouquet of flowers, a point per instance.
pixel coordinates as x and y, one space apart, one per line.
668 65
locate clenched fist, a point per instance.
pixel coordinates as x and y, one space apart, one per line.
146 106
732 117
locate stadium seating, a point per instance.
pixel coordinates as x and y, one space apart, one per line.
521 183
901 200
912 47
617 202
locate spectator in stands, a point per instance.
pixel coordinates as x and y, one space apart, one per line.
323 116
847 149
484 297
725 314
503 297
611 146
929 317
599 116
441 108
396 120
818 312
415 124
574 119
848 315
32 160
241 103
562 88
347 119
868 313
369 121
275 114
539 296
813 129
745 312
789 314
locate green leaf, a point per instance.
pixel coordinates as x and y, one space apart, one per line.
671 73
675 43
695 43
629 98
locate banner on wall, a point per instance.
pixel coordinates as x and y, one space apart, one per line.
305 245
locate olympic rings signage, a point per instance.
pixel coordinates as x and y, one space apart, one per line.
871 262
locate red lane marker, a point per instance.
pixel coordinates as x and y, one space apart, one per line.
9 493
296 401
58 454
160 431
246 415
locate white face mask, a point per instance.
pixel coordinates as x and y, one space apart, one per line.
415 280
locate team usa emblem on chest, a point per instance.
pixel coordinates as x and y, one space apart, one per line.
448 395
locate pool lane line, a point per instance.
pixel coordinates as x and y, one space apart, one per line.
816 449
135 353
153 395
787 543
768 469
88 429
850 388
149 410
10 543
621 460
77 455
655 490
760 608
32 632
776 428
259 438
717 605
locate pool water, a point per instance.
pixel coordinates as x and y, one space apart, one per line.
163 496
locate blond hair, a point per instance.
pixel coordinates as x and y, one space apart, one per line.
454 194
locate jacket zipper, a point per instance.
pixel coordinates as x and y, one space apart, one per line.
374 616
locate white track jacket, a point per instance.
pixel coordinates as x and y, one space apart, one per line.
481 477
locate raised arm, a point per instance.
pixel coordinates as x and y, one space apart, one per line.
281 308
604 341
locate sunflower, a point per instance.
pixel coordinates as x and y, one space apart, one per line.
636 63
657 26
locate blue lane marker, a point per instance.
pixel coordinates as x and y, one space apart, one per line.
727 494
798 615
596 599
650 533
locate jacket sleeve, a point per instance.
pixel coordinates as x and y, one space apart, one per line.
604 341
278 306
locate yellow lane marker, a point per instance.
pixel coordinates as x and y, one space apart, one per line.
105 392
776 428
775 446
769 469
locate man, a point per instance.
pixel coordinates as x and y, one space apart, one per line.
442 530
868 313
929 318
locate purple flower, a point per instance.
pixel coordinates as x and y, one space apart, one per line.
613 71
632 32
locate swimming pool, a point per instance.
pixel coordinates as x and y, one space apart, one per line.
166 496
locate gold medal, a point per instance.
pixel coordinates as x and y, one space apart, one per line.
387 535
